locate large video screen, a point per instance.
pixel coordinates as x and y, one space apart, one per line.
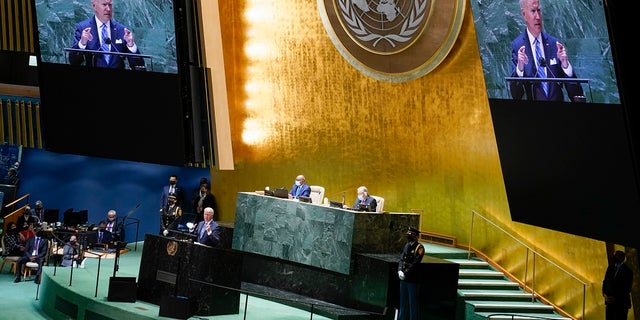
574 35
114 91
70 32
568 164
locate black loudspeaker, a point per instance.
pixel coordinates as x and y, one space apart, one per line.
122 289
177 307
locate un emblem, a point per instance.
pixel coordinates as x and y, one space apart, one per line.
172 248
393 40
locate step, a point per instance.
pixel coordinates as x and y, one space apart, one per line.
470 263
521 316
486 283
508 295
509 306
480 273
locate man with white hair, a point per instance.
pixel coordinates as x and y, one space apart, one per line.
116 229
364 201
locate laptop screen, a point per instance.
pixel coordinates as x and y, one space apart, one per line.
281 193
335 204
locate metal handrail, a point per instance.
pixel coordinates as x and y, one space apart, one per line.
516 316
535 254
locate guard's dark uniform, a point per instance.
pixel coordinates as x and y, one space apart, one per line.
409 280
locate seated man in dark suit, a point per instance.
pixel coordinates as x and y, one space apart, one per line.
36 249
104 237
115 227
364 200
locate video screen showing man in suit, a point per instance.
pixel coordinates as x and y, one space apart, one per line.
537 54
103 33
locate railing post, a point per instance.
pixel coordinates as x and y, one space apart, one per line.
470 235
533 278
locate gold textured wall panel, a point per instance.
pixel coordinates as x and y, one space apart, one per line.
297 107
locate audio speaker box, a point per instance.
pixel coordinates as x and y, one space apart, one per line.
177 307
122 289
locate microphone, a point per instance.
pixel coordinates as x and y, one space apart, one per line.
108 41
136 67
543 63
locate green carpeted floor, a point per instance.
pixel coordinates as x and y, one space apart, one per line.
25 300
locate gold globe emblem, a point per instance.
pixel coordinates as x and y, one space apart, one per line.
172 248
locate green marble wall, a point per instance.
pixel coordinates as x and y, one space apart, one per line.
580 25
309 234
312 234
151 21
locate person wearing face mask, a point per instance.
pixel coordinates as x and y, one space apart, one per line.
36 249
12 242
364 200
204 198
169 214
38 211
412 254
174 188
71 253
300 188
114 227
26 219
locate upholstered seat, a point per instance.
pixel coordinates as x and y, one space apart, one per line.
379 203
29 269
317 194
32 267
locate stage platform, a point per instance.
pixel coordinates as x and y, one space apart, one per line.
82 293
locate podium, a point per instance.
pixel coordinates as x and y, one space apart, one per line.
123 55
198 274
531 81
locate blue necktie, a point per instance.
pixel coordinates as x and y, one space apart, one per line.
541 71
202 232
105 46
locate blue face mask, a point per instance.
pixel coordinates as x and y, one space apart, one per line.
298 183
360 197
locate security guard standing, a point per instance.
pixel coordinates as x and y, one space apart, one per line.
170 213
409 281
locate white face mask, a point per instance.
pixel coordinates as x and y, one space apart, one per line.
298 183
360 197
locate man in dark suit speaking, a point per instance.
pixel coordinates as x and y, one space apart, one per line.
537 54
102 33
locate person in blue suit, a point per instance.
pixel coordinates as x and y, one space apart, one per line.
300 188
554 61
174 188
208 232
116 37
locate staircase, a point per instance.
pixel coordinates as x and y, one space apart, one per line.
488 294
